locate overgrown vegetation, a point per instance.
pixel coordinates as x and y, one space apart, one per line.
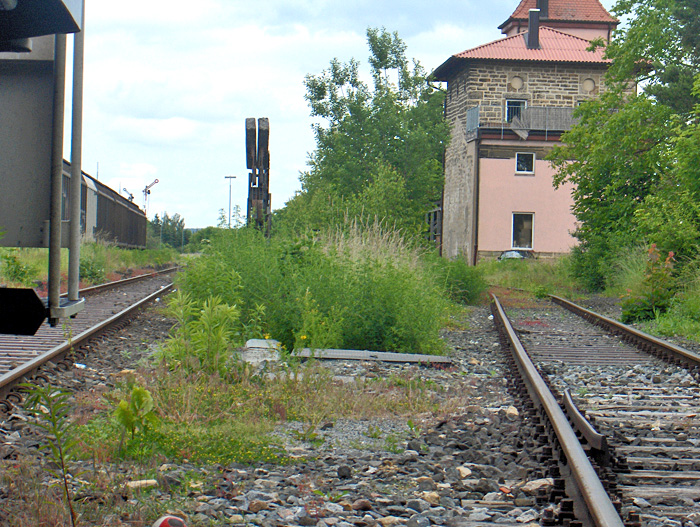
633 157
99 261
360 287
51 410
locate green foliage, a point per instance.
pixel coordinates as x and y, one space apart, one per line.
671 220
51 409
633 158
201 239
14 270
683 316
358 288
614 157
657 289
627 271
91 271
462 282
318 330
136 412
167 231
380 147
539 276
209 276
662 35
206 335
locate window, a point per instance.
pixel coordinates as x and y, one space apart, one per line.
514 108
523 223
524 163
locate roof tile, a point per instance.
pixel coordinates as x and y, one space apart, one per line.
567 10
555 46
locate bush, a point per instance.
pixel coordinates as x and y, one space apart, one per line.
656 292
462 282
91 271
15 271
359 288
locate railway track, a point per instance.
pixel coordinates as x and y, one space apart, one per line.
641 398
107 306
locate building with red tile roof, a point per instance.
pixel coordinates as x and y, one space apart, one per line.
587 19
508 102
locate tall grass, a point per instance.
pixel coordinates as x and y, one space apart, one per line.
360 287
541 276
627 272
683 316
99 261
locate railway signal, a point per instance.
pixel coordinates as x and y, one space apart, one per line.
22 312
146 193
257 139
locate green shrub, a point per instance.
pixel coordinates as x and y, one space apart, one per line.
91 271
360 287
14 270
462 282
206 334
657 290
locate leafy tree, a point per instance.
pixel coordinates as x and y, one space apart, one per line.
393 128
631 154
168 231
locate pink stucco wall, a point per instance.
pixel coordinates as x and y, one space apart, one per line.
501 193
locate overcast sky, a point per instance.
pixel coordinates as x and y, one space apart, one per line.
169 83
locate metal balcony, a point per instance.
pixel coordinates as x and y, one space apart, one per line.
547 119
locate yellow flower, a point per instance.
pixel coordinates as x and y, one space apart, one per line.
303 337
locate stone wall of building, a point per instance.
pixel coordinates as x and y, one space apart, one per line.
489 84
459 214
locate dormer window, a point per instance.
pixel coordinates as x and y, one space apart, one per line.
514 108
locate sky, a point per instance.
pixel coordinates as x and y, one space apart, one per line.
169 84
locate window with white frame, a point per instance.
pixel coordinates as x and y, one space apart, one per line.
525 163
514 108
523 228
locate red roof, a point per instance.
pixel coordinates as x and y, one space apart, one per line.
555 46
565 10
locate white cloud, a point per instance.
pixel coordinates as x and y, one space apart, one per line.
169 83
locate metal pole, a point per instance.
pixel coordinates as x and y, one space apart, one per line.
59 90
229 198
76 161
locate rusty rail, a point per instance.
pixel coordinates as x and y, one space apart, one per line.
599 507
639 338
11 378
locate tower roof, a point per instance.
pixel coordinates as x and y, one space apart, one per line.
555 46
561 11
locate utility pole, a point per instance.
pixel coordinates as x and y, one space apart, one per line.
229 198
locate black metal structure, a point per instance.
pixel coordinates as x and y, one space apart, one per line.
257 139
21 19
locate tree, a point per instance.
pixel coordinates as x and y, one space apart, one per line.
168 231
626 154
394 127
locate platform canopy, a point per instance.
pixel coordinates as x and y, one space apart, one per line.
20 19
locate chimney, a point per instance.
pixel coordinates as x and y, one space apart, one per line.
543 6
533 30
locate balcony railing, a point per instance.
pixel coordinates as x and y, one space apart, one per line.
532 118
